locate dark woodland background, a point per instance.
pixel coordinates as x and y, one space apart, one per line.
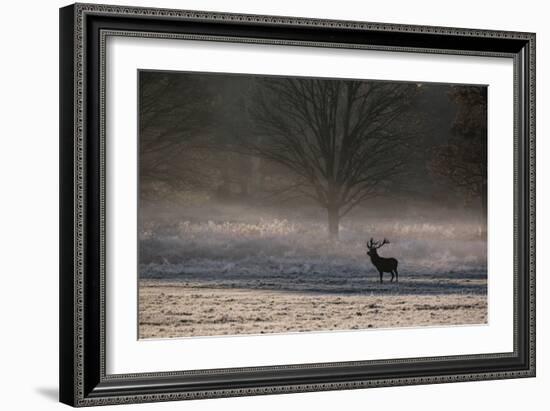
304 143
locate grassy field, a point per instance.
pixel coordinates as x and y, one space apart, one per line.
240 273
176 309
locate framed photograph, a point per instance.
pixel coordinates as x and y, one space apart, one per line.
262 204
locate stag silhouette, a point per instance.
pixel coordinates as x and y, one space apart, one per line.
383 265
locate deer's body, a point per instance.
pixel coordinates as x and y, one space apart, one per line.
383 265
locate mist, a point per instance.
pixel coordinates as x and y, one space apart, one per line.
273 184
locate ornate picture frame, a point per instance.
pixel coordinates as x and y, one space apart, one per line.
84 30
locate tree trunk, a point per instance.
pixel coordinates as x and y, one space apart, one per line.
333 223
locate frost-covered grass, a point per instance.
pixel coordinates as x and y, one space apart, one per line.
183 310
237 270
281 246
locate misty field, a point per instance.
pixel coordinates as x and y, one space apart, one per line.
259 197
244 272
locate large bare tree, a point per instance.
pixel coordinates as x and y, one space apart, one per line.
344 140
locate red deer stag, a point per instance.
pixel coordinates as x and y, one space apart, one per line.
383 265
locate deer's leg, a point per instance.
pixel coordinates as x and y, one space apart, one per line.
391 281
381 274
396 276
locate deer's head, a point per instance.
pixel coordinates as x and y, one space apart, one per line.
372 246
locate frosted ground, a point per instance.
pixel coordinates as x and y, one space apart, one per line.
248 273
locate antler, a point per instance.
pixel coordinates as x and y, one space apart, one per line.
371 244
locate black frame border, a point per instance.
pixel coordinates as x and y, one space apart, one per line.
83 30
